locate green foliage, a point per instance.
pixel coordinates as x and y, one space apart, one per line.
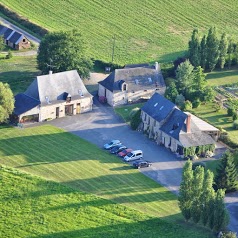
223 46
194 49
6 102
203 52
136 120
199 81
234 117
133 112
188 105
235 124
186 190
230 52
9 54
226 176
230 111
171 92
65 51
221 216
179 101
196 103
228 234
2 44
212 48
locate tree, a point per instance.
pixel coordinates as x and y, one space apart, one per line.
226 177
196 208
223 46
6 102
2 44
212 48
194 49
230 51
180 101
184 76
186 191
171 92
199 79
188 105
208 94
203 52
207 197
221 216
64 51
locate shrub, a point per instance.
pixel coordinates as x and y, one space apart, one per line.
9 55
228 234
196 103
136 120
234 116
133 112
226 139
188 105
230 111
235 124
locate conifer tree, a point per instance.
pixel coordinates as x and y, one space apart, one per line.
203 52
223 46
186 191
226 177
207 197
221 216
194 49
212 48
230 52
196 207
171 92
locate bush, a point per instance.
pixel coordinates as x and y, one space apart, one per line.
133 112
234 116
9 55
230 111
188 105
136 120
235 124
196 103
228 234
226 139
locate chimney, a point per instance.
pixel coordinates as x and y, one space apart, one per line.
157 66
188 123
50 72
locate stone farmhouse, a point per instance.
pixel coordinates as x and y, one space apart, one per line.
14 39
132 83
52 96
173 128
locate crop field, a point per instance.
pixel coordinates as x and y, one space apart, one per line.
32 207
54 154
144 31
18 72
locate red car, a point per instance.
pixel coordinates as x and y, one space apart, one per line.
124 152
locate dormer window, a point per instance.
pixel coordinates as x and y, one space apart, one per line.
124 87
68 98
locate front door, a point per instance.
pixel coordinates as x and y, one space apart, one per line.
57 112
78 108
69 109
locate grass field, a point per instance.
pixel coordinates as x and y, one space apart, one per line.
144 31
53 154
18 72
218 78
53 210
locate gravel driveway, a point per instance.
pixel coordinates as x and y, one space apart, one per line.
102 124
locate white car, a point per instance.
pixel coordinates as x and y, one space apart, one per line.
111 144
133 155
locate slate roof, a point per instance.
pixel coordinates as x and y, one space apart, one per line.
2 30
53 87
158 107
24 103
136 77
15 37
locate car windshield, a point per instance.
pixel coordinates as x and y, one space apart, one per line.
130 154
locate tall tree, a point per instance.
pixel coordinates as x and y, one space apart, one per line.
207 197
199 80
171 92
184 76
226 177
180 101
212 48
186 191
203 52
194 49
6 102
221 216
2 44
197 203
230 51
223 46
64 51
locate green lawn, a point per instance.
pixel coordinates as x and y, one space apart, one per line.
32 207
18 72
217 78
124 111
56 155
145 31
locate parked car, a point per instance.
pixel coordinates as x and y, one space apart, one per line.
124 152
118 148
111 144
141 164
134 155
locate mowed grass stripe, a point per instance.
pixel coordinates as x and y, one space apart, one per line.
94 170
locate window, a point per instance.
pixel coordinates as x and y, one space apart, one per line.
154 122
24 40
124 87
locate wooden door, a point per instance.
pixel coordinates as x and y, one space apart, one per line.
57 112
78 108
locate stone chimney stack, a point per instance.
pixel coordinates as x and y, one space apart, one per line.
157 66
50 72
188 123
